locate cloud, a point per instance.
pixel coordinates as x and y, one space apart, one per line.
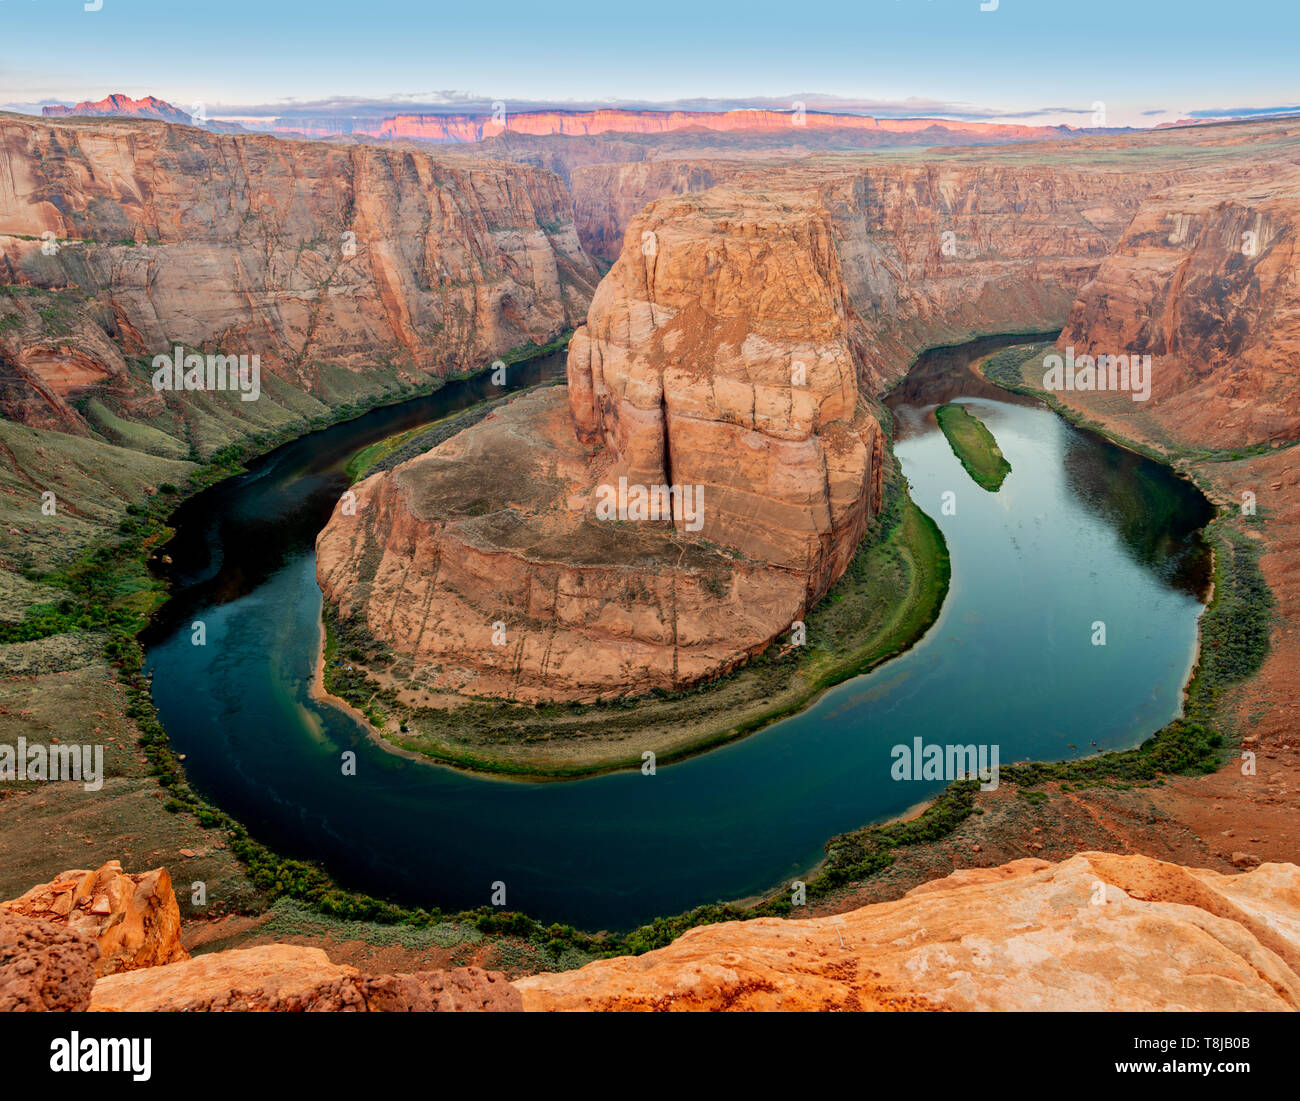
1240 112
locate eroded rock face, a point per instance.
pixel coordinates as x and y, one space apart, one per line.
1205 281
44 967
1027 936
133 919
282 978
717 362
313 257
928 252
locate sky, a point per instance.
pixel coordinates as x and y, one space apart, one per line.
1043 61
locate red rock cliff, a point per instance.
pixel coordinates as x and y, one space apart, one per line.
311 256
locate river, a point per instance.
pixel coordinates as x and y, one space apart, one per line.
1080 532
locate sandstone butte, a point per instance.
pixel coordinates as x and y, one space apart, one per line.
324 261
717 359
1095 932
121 106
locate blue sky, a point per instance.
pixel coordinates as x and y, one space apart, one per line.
1145 60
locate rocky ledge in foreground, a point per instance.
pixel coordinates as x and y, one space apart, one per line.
704 478
1095 932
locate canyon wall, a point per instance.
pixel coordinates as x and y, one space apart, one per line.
930 252
1206 280
715 359
319 259
685 373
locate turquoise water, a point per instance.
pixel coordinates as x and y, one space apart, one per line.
1080 532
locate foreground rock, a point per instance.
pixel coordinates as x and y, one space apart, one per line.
1097 932
511 561
133 919
288 979
44 967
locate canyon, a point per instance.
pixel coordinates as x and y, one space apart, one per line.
715 300
120 239
725 274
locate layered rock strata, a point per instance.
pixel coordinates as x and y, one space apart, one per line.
283 978
316 258
1204 281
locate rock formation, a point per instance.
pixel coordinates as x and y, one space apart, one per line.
715 361
1096 932
133 919
121 106
476 127
281 978
729 347
44 967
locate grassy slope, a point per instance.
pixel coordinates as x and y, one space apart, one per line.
974 445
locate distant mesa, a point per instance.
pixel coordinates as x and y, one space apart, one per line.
473 127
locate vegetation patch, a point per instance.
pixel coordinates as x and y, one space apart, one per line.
974 445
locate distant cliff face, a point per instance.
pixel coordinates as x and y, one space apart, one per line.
468 128
706 476
312 257
606 197
1204 280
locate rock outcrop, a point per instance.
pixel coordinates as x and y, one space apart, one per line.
511 560
44 967
281 978
133 919
729 347
1097 932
